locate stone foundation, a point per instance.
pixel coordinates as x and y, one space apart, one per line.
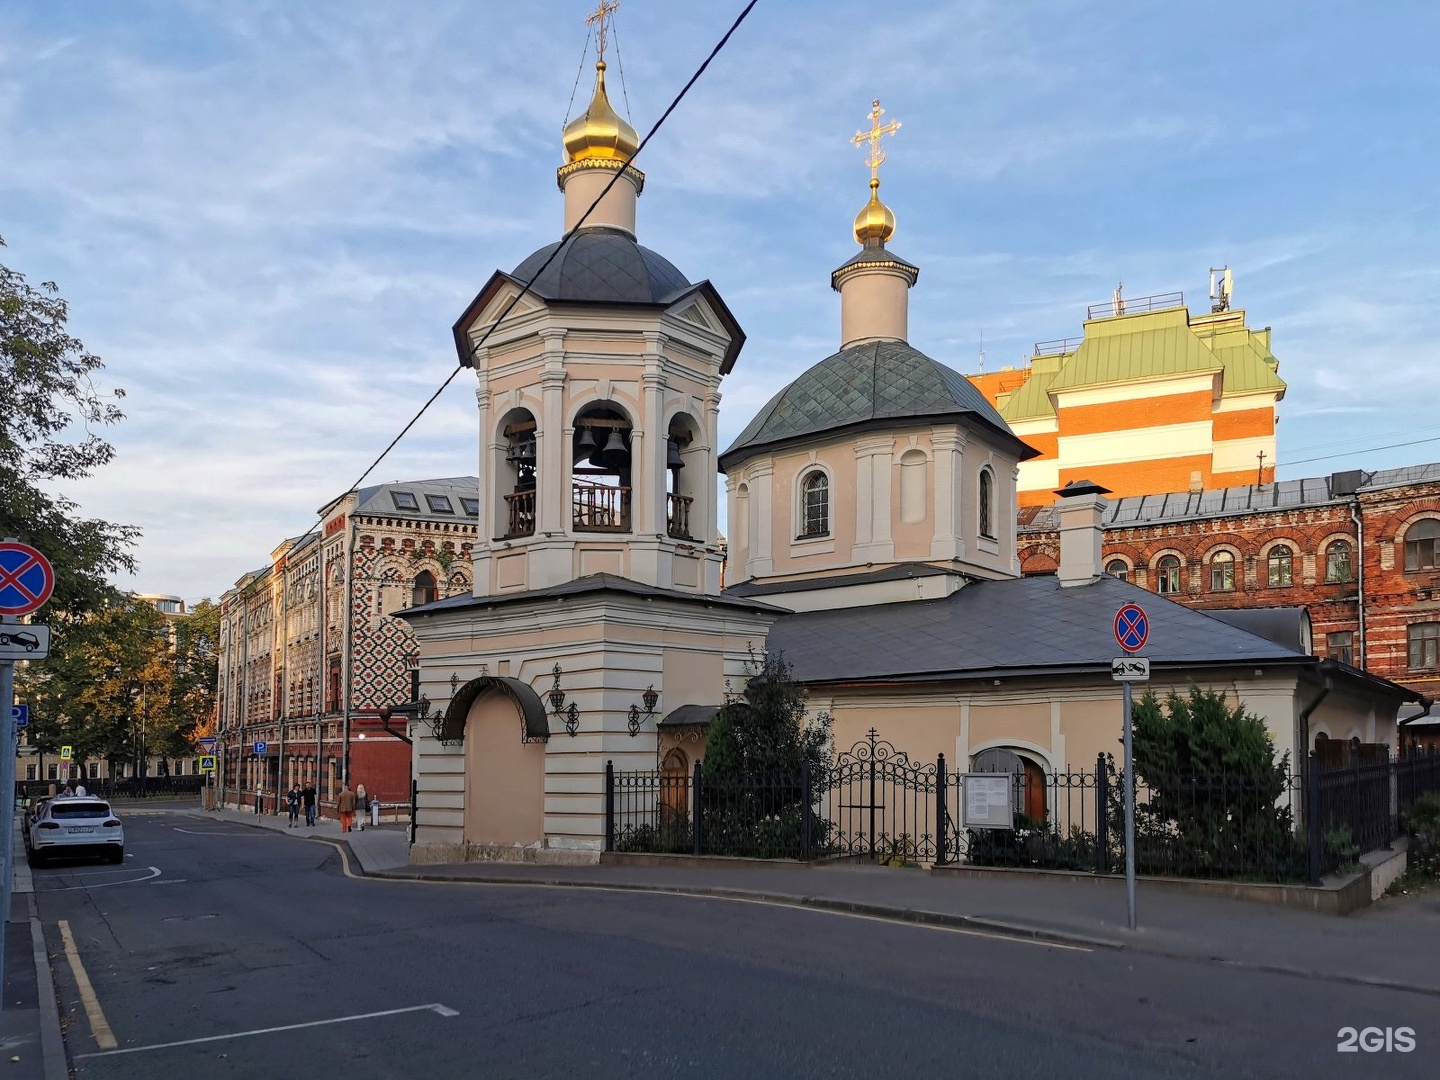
431 854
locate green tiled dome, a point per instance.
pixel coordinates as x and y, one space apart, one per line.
866 385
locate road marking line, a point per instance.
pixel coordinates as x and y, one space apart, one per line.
210 832
992 935
155 872
99 1026
435 1007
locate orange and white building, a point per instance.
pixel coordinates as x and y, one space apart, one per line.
1151 398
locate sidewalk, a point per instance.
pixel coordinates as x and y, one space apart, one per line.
1394 942
31 1044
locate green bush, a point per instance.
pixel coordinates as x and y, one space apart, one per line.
1422 822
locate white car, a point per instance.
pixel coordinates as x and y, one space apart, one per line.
75 826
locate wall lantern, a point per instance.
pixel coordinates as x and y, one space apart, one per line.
651 698
569 715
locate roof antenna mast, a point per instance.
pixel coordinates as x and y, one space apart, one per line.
1222 285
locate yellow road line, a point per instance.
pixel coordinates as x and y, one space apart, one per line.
99 1026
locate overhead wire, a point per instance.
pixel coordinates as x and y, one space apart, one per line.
526 286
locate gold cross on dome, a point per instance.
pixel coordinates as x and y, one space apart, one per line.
876 156
602 15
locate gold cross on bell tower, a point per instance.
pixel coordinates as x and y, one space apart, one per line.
876 156
601 17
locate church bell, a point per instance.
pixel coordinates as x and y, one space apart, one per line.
585 446
613 455
672 455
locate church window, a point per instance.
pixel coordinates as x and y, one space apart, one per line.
404 500
1222 572
515 475
1337 561
987 504
1422 545
1167 575
1117 568
815 505
601 491
1424 642
425 590
439 504
1281 573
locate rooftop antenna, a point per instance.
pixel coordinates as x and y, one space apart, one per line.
1260 472
982 352
1222 286
1118 301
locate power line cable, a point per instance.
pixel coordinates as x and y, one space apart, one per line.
525 288
1350 453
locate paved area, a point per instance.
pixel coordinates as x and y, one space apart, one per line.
221 949
1365 948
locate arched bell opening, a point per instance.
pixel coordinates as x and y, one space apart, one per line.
601 487
683 469
515 474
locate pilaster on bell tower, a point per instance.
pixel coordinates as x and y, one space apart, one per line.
598 388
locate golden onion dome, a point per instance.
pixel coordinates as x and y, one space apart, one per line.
875 221
600 133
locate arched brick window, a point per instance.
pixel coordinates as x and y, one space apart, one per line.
1222 572
1281 567
425 590
1337 562
1118 568
1167 575
1422 545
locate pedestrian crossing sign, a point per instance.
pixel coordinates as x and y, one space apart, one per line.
207 763
67 753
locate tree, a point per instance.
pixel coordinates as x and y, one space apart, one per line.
1216 793
50 408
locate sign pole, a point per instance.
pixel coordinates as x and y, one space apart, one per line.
7 799
1129 807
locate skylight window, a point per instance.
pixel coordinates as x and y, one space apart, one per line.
439 504
472 506
404 500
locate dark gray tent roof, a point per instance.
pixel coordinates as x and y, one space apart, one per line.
582 586
871 384
602 265
993 629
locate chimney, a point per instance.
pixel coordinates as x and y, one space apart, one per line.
1081 508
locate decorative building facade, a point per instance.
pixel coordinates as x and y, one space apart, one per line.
1359 551
1150 398
310 650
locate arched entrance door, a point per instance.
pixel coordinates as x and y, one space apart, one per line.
1029 778
504 775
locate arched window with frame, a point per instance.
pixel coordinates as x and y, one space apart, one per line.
814 505
1117 568
1222 572
1167 575
1281 567
425 591
1422 545
1337 562
987 504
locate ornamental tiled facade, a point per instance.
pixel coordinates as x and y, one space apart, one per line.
310 652
1359 550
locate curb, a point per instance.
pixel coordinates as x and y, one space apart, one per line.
914 916
52 1038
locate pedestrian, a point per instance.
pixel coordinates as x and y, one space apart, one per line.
307 796
80 790
345 803
362 804
292 803
67 792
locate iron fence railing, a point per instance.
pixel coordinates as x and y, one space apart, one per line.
130 787
873 802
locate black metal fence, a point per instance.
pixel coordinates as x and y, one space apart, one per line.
130 787
874 803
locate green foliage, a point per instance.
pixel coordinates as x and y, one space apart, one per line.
1341 844
50 409
1422 822
1214 798
120 677
765 732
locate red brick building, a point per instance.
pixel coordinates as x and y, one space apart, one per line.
1359 550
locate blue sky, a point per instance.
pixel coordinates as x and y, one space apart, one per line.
266 215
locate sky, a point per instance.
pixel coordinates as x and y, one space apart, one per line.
267 215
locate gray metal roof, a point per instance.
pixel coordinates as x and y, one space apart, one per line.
994 629
603 265
591 583
1220 502
1288 626
898 572
380 499
868 383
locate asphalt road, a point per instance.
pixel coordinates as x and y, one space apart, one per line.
263 947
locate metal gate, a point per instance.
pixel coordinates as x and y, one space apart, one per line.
881 805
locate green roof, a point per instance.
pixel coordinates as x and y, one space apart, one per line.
871 383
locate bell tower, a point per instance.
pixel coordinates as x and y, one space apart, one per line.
598 388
